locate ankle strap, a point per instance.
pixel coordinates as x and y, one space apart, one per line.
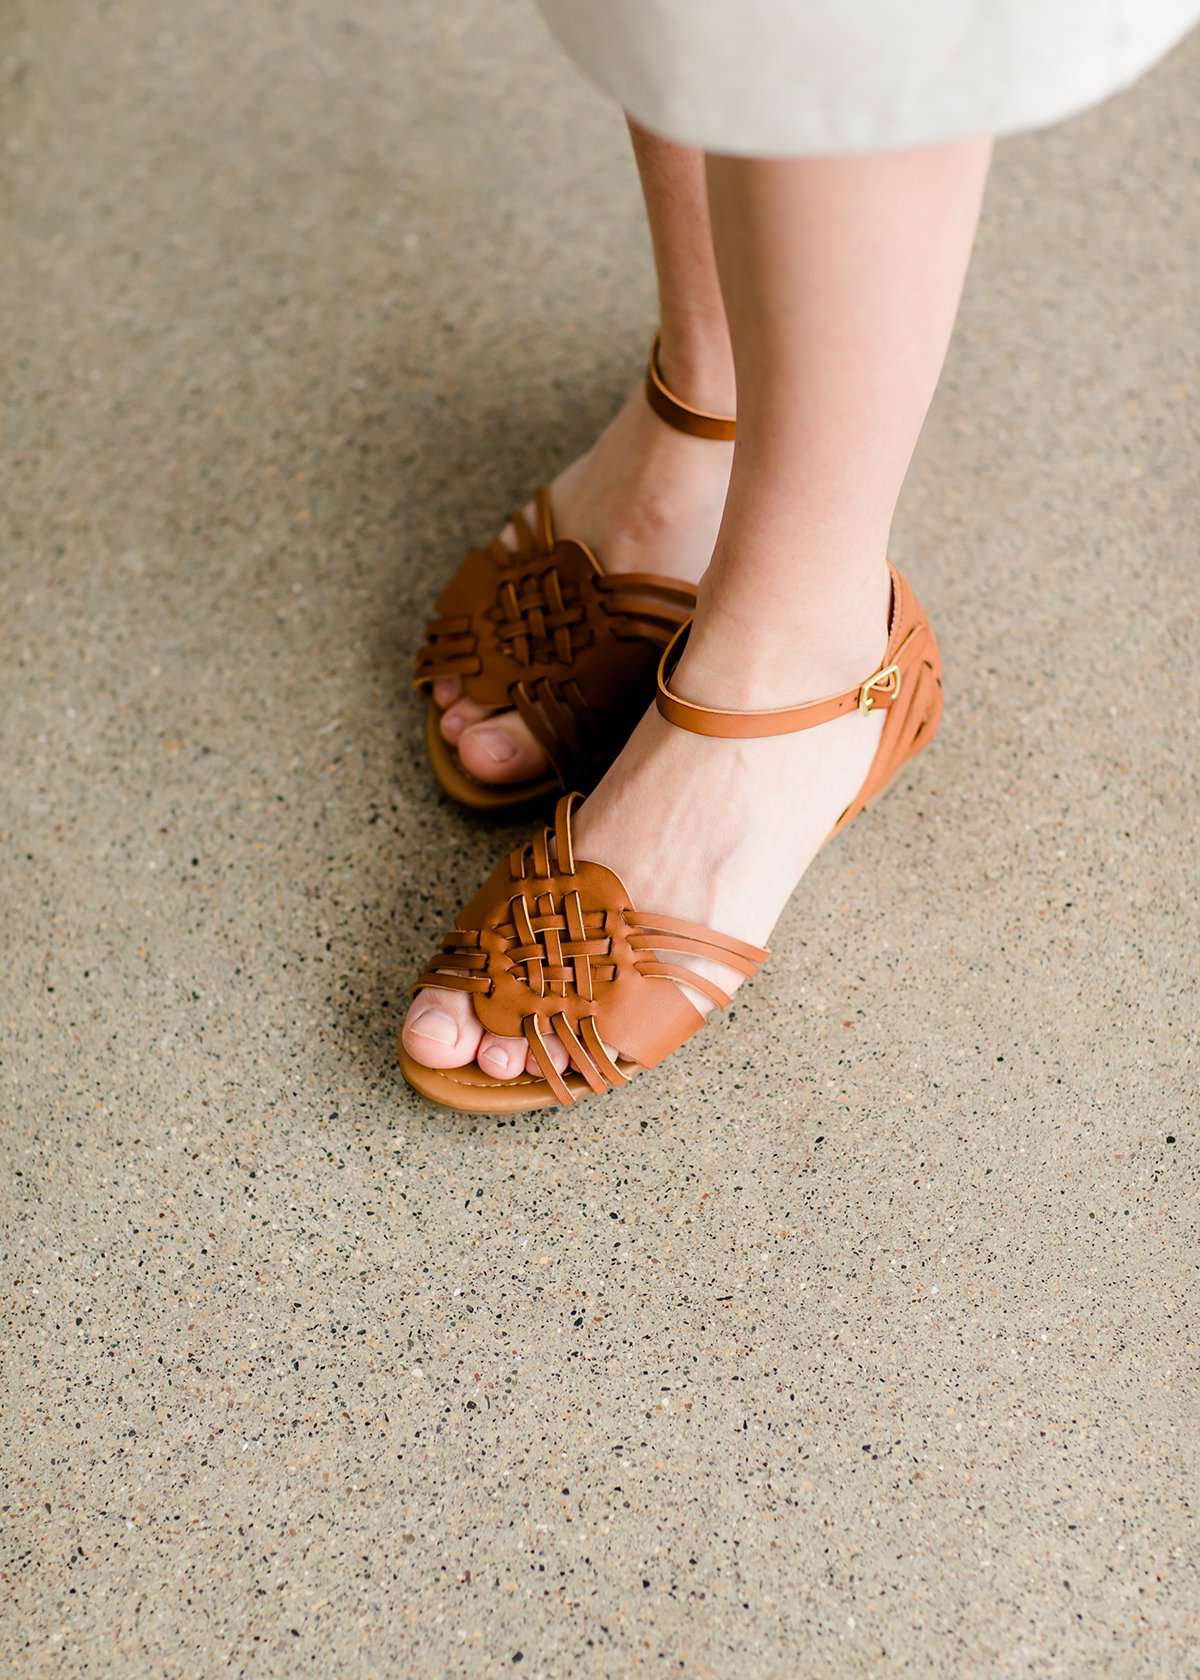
877 692
675 411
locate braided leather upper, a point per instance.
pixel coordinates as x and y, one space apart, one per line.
551 944
544 630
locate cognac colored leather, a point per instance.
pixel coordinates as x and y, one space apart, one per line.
552 945
675 411
907 685
544 630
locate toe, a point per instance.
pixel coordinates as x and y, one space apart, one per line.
501 749
446 690
557 1054
461 716
503 1058
441 1029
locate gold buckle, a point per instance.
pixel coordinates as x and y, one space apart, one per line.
886 681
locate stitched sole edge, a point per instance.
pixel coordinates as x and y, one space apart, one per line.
469 1090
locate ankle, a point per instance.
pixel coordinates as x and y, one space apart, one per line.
785 649
696 359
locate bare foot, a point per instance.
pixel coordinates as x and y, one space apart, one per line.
713 831
645 498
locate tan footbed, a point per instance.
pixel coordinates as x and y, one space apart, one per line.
553 945
543 630
470 1090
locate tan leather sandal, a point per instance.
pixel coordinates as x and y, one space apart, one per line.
552 944
545 631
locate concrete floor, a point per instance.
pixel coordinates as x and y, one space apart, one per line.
875 1360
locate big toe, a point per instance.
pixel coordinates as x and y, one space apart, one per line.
502 749
441 1029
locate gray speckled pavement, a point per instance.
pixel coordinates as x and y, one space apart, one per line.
872 1356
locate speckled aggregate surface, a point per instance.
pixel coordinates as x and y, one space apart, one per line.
874 1355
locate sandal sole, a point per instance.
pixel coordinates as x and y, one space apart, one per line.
469 1090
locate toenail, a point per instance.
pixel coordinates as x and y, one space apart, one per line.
498 1059
496 744
436 1024
453 726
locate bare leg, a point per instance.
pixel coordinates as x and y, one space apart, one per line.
697 355
841 280
644 497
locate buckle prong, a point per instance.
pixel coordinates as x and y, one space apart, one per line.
885 681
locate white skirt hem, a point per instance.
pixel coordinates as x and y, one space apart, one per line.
765 78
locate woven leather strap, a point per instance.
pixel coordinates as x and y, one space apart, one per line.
541 628
552 947
675 411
